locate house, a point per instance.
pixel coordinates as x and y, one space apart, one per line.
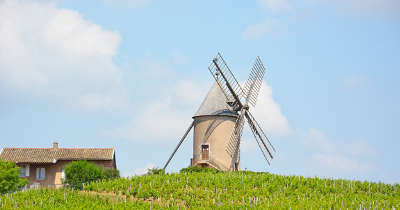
44 167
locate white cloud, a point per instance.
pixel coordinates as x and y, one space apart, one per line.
359 148
158 121
335 164
140 171
189 92
78 36
165 117
57 55
271 27
314 138
349 158
276 5
269 114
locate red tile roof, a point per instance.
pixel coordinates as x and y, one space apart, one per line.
52 155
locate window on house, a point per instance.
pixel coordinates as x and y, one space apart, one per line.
24 171
40 173
204 152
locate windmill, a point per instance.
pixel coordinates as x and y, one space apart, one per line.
218 123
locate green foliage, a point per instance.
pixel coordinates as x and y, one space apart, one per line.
154 171
67 199
110 173
196 169
9 177
204 190
79 172
251 190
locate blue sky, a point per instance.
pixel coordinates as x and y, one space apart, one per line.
130 74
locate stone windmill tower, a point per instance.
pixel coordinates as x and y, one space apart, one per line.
213 124
218 123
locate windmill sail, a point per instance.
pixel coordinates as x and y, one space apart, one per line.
234 140
253 83
263 141
225 79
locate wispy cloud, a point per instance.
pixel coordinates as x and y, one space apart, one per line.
316 139
272 28
169 110
339 164
355 81
159 121
347 158
128 3
359 148
178 58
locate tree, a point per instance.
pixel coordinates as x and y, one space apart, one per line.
79 172
9 177
153 171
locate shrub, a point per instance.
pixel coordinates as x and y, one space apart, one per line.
79 172
153 171
110 173
9 177
196 169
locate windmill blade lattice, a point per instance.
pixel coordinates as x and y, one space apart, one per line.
253 83
263 141
260 129
261 148
234 140
225 79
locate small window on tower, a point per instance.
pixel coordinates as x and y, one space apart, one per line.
204 151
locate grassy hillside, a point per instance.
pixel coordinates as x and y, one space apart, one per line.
65 199
216 190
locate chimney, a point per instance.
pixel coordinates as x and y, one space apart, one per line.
55 145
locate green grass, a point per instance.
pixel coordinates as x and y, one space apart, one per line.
253 190
238 190
66 199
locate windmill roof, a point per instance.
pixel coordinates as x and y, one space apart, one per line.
215 103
